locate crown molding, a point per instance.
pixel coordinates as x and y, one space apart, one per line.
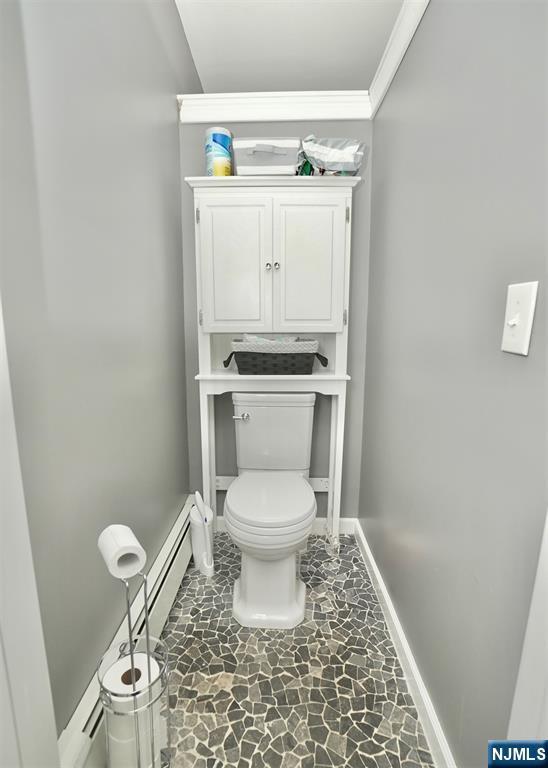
273 107
408 20
286 106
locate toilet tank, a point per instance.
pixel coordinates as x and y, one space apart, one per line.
278 433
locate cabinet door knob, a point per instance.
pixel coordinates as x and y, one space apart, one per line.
244 417
276 265
268 266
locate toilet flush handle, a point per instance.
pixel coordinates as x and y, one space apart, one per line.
244 417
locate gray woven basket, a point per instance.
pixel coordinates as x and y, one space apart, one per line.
271 358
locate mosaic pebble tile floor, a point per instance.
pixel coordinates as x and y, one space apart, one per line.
330 692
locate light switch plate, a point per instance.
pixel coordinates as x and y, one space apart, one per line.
518 319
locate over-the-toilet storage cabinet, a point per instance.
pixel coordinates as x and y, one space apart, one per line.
272 263
273 256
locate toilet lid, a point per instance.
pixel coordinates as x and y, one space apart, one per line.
266 499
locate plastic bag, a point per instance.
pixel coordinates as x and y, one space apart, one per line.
331 156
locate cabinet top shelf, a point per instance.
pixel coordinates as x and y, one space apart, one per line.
272 181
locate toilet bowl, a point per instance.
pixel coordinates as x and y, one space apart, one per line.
270 507
269 517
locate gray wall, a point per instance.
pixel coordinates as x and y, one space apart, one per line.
453 491
92 287
192 161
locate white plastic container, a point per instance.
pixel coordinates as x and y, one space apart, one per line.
266 156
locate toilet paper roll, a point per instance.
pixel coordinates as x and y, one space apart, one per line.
122 553
134 737
117 679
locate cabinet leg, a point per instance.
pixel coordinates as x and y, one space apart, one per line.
332 443
335 465
209 473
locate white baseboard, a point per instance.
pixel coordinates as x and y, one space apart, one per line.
347 525
441 751
529 715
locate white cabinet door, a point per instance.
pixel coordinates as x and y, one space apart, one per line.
309 263
235 235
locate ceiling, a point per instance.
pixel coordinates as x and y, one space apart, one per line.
287 45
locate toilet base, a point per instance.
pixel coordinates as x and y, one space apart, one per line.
288 620
268 593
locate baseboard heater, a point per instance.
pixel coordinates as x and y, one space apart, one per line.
164 579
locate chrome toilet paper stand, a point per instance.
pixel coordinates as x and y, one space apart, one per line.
146 743
144 582
122 697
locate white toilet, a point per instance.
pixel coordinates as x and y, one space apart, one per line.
270 507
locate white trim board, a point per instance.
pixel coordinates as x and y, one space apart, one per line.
406 25
529 715
27 720
76 741
285 106
439 747
273 107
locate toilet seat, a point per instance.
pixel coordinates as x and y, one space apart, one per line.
269 540
270 503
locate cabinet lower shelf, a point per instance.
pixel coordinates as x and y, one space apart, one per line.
324 383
